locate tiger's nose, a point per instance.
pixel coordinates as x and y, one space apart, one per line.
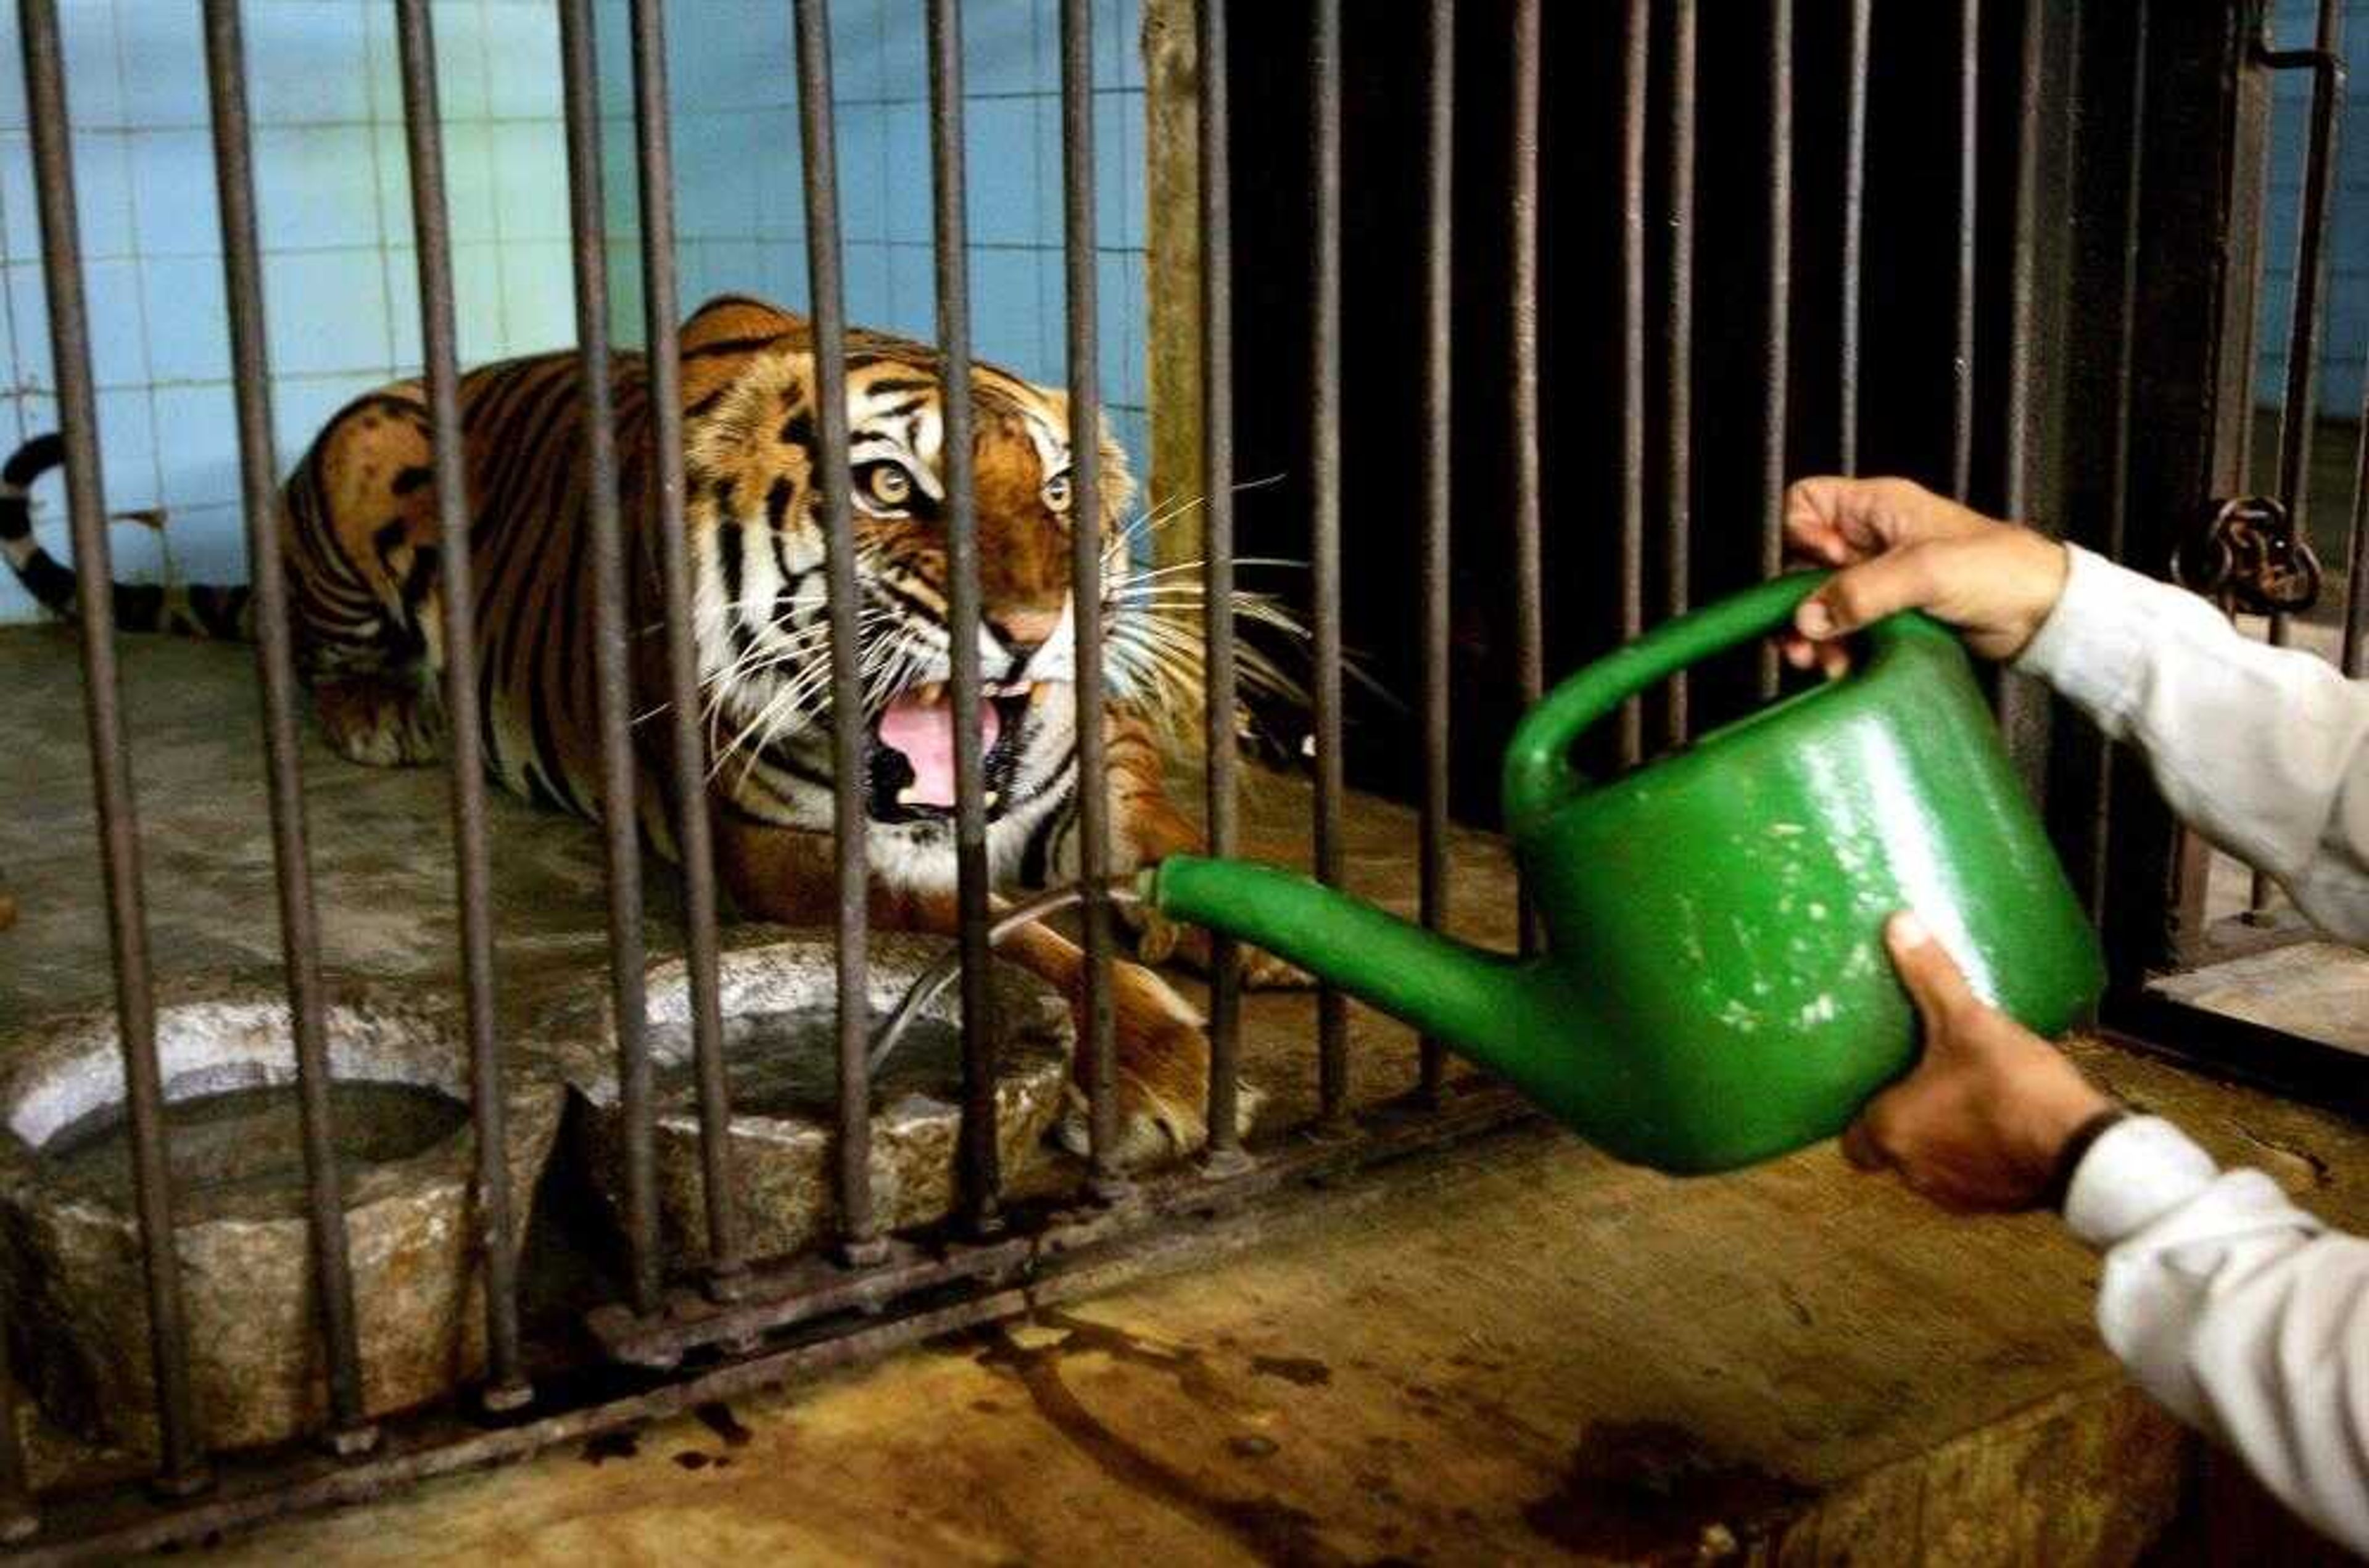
1023 631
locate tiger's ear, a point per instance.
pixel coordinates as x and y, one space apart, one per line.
735 318
721 336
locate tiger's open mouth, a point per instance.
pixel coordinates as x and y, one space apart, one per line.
911 769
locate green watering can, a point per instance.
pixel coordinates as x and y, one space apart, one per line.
1715 989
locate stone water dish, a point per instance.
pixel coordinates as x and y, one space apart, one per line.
74 1290
779 1003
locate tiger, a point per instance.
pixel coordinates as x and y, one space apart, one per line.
358 533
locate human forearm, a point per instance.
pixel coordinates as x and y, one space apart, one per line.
2237 1311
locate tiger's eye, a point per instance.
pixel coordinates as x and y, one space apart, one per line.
1057 492
889 485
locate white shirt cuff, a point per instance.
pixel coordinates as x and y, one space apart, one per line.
2092 647
2137 1171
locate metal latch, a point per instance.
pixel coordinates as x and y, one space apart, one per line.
2246 550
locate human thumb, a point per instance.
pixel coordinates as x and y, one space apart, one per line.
1929 972
1861 595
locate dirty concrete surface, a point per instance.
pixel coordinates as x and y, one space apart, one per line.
1515 1351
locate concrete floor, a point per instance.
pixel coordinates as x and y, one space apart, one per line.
1513 1351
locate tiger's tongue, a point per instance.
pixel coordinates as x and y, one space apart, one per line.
925 732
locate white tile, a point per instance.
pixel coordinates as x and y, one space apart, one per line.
197 449
522 59
94 78
314 187
102 175
119 348
173 186
325 312
538 296
308 62
127 453
163 63
189 331
531 181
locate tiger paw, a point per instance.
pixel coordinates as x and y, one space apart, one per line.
1162 1079
1154 1128
1159 940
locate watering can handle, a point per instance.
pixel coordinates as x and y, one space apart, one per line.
1539 775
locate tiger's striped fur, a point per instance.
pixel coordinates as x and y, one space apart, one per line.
361 537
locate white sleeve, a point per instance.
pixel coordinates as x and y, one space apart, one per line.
2239 1312
2264 750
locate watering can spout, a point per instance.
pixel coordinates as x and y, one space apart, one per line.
1472 1000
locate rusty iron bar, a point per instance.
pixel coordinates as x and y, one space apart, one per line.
1324 515
1854 216
1635 58
2356 566
507 1387
1185 1219
1224 1155
1962 362
183 1466
2023 276
613 661
1522 380
859 1242
982 1178
300 929
1777 307
1439 313
1679 376
2118 478
661 306
1086 586
21 1518
2298 408
2020 702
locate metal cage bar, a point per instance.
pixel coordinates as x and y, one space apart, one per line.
19 1518
860 1242
1438 306
2298 406
1677 479
183 1468
1225 1156
1522 379
1086 568
276 671
1324 516
663 472
2021 706
982 1177
1637 48
1777 305
612 661
1962 362
1854 217
507 1387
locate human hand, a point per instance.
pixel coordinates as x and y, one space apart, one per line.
1985 1117
1902 547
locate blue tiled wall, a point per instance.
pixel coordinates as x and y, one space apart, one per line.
2344 346
341 299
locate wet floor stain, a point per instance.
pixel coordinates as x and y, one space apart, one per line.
692 1458
717 1417
1268 1529
1251 1446
1304 1371
606 1445
1650 1492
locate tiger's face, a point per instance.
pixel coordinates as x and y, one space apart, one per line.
755 511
